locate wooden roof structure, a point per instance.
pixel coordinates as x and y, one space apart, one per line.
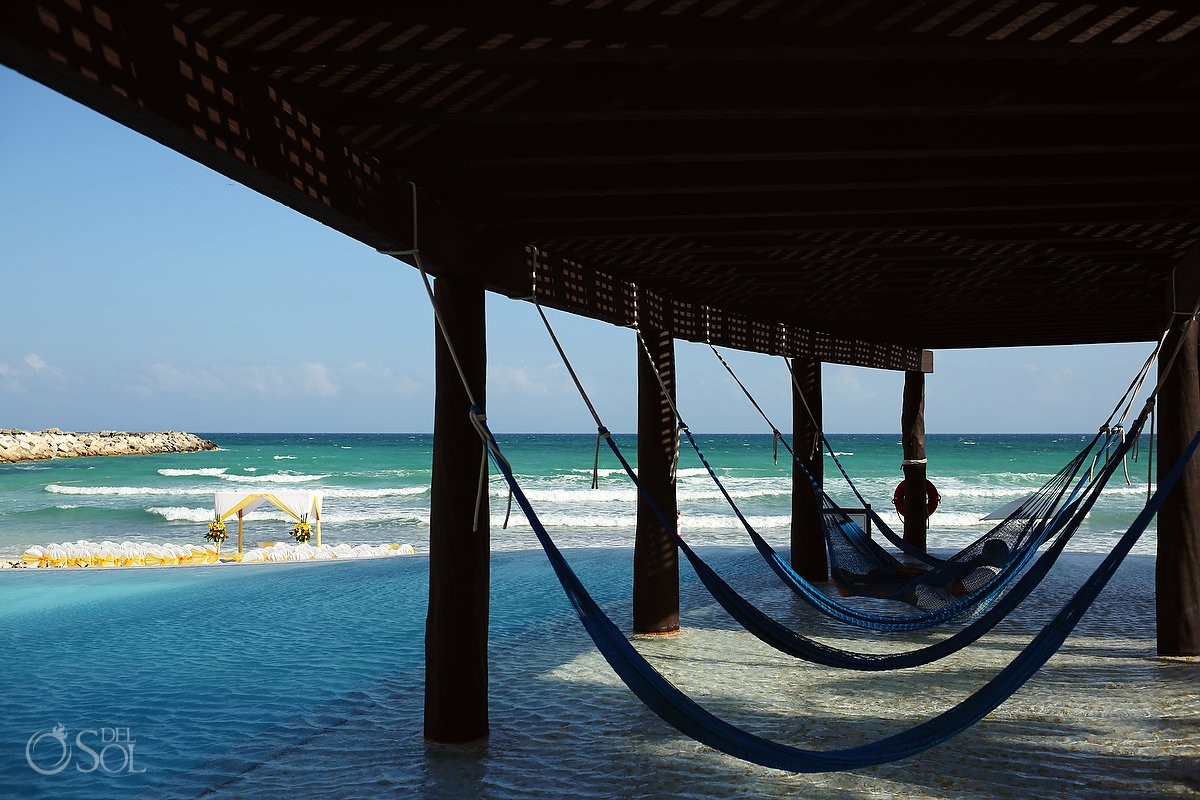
848 179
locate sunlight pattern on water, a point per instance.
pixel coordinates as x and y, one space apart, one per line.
252 682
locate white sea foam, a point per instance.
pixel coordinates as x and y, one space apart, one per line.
206 471
124 491
328 517
603 472
397 491
691 472
284 458
629 495
697 522
182 513
946 519
278 477
186 514
1034 478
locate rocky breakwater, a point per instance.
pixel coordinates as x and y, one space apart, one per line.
52 443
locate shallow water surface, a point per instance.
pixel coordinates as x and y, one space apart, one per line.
307 679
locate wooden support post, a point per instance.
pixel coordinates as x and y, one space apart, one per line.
1177 570
912 439
456 628
809 555
239 530
655 555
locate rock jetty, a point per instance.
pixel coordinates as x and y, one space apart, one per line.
52 443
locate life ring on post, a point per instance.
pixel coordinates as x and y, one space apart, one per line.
932 498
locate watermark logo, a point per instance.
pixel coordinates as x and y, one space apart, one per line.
107 750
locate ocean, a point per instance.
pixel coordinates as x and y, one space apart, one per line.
375 489
306 679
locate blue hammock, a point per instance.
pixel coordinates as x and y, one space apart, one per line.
948 588
684 714
1024 551
787 641
862 567
784 639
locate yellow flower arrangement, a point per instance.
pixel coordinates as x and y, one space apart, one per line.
216 532
302 530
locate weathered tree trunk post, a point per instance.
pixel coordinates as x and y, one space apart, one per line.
912 439
655 555
1177 569
456 629
809 555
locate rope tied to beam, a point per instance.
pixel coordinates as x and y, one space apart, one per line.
680 426
601 434
480 423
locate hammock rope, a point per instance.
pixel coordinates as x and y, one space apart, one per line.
687 716
947 607
769 630
860 617
680 711
879 574
776 635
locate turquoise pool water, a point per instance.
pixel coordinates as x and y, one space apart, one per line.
307 680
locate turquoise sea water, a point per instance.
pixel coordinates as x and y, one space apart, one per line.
306 679
376 488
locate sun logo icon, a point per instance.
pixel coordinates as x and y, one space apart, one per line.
55 745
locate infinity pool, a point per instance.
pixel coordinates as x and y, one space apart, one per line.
307 680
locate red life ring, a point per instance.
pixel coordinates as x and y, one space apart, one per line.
931 498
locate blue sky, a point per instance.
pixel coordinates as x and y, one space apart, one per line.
145 292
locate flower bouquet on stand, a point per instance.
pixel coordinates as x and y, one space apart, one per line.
302 530
217 534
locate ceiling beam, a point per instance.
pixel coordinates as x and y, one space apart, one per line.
942 52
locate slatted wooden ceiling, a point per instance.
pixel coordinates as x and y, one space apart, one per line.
859 179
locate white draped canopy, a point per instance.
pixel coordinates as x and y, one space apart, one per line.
297 505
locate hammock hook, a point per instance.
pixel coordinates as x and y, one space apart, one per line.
679 431
601 434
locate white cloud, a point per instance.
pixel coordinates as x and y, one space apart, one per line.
203 382
29 373
315 379
1046 383
38 364
529 381
310 378
846 385
363 379
168 378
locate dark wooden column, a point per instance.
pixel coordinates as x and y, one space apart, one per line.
655 556
456 629
809 555
1177 569
912 439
